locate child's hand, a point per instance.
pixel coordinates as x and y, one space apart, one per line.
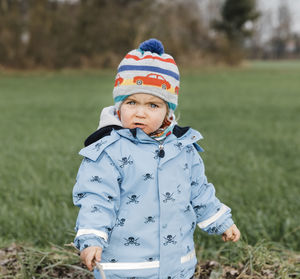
231 234
90 255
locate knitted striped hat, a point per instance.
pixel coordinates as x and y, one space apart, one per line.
147 70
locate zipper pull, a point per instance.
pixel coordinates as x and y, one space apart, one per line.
161 152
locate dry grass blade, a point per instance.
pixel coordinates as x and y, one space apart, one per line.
28 262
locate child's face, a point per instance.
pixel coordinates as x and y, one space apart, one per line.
143 111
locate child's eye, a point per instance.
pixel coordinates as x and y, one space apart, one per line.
131 102
153 106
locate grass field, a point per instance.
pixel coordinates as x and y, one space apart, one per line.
249 118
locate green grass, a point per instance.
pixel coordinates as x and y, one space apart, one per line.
263 260
249 118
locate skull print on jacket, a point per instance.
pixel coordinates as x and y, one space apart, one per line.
152 204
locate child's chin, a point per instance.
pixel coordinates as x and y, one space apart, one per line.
145 130
142 128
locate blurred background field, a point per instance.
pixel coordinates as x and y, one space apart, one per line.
249 119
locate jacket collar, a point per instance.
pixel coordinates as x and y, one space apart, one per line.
93 150
182 137
101 133
138 134
185 135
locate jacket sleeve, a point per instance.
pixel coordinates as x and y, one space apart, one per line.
212 216
97 194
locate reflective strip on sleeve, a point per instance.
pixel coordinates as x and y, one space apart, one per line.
102 234
188 257
143 265
125 266
213 218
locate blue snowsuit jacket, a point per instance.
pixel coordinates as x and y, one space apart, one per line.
141 201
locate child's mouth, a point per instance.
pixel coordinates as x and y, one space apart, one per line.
139 125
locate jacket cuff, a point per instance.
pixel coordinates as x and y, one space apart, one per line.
219 222
226 225
89 240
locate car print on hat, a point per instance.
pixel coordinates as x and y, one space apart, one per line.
152 79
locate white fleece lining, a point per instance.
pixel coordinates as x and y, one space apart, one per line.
143 265
108 117
95 232
213 218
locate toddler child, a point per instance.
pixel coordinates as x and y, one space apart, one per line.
141 187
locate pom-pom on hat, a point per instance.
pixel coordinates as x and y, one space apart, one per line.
148 70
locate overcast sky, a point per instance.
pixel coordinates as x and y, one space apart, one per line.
271 6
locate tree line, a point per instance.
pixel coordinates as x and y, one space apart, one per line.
97 33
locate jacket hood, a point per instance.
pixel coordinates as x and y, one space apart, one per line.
109 117
109 121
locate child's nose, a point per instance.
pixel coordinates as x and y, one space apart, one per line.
140 111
